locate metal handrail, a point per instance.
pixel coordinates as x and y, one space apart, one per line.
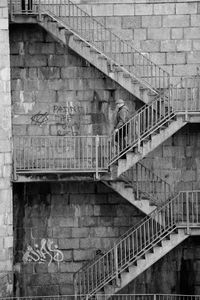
181 211
145 182
61 153
118 51
114 297
182 98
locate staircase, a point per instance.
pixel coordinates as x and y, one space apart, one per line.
142 188
169 108
141 247
154 124
117 59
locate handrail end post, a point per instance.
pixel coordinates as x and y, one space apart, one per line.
117 280
97 156
187 214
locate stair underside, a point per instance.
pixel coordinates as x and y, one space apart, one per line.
144 263
127 193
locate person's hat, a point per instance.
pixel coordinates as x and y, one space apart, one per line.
120 101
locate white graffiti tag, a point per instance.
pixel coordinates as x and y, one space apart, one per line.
46 252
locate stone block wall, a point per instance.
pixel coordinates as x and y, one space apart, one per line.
176 273
177 160
6 234
165 31
79 217
54 91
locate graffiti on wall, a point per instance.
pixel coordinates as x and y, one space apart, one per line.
68 118
46 252
40 118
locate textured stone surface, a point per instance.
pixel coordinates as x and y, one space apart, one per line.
6 234
48 79
89 225
83 218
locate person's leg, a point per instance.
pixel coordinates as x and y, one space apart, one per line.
23 4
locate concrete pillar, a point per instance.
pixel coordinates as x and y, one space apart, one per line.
6 216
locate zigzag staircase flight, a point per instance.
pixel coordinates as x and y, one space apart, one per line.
113 56
171 108
142 188
141 246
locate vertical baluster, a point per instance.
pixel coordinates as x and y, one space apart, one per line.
116 262
187 213
136 241
75 151
145 235
20 153
197 207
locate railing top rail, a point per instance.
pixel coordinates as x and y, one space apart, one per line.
60 136
153 174
104 295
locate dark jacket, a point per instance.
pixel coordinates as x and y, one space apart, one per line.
122 116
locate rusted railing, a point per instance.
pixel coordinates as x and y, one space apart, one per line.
118 52
60 153
145 182
182 98
180 212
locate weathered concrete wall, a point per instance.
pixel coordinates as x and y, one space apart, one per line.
81 218
78 217
166 31
177 160
56 92
6 234
175 273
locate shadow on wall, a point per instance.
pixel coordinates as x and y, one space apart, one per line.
99 115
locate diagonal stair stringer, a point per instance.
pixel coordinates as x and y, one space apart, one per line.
142 204
67 36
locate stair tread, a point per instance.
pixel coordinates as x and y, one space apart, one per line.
126 75
102 57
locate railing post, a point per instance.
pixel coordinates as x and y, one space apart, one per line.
39 11
187 214
11 10
198 87
75 288
111 50
97 156
14 160
138 133
154 297
186 100
116 265
137 184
